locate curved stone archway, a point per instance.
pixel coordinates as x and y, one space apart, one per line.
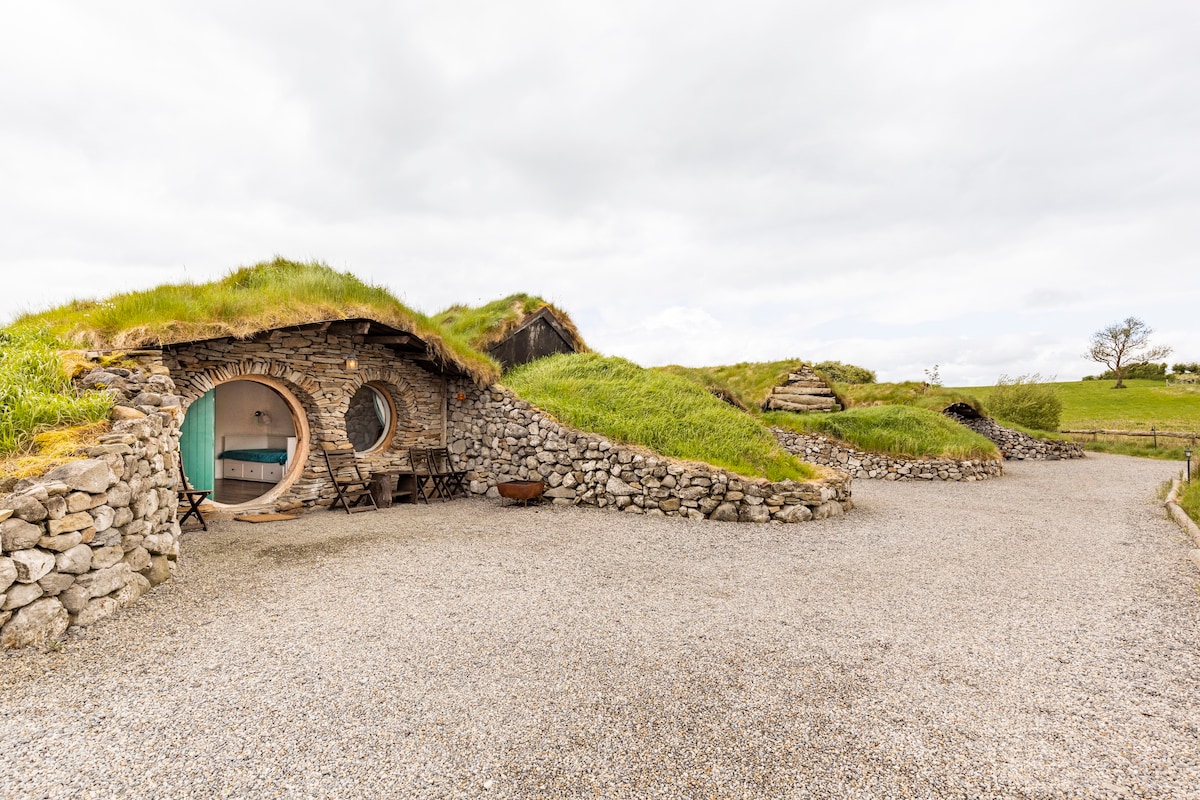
295 389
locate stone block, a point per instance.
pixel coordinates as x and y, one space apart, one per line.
20 595
74 599
75 561
726 512
31 564
104 557
159 570
27 507
104 581
158 543
133 589
17 534
755 513
797 513
71 522
90 475
8 573
61 543
36 623
96 610
138 559
55 583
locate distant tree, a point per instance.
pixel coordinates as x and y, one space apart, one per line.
1122 345
1182 369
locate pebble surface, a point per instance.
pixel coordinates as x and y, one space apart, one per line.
1034 636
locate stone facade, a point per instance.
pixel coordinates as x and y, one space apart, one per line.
498 437
309 369
1020 446
94 535
820 450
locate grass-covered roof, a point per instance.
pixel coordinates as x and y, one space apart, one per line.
273 294
481 327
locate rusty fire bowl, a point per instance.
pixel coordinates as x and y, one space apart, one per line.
521 490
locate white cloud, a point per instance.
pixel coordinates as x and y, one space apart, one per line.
896 185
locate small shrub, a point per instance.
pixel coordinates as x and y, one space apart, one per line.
844 373
1027 401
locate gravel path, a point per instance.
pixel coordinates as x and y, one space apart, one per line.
1033 636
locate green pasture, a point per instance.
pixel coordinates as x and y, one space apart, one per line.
1142 406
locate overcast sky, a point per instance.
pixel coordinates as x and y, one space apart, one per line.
893 184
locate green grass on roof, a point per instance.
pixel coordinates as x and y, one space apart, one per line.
749 382
483 326
908 393
898 430
667 413
269 295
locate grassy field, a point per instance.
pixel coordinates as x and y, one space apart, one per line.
1095 405
667 413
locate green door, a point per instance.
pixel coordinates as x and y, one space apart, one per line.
197 440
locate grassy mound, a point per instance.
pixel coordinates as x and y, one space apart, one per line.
36 394
1189 498
896 430
908 393
250 299
483 326
748 382
667 413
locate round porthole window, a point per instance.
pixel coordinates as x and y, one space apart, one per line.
369 418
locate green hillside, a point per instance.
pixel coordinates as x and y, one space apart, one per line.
667 413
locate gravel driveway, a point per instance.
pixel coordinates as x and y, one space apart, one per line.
1032 636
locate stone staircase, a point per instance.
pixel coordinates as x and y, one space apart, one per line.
803 392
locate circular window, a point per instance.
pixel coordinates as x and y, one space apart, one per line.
368 419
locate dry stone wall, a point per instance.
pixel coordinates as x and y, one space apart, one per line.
94 535
498 437
1020 446
877 466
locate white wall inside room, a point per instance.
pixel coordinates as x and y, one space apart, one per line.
236 402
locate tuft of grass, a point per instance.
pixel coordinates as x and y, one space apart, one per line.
36 394
481 327
667 413
49 449
896 430
1189 498
272 294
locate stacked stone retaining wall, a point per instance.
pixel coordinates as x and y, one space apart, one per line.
498 437
1020 446
877 466
94 535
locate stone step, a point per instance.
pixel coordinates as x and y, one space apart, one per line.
803 390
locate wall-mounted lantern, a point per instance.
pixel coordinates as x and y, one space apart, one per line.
352 362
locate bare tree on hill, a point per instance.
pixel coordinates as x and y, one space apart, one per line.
1123 345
